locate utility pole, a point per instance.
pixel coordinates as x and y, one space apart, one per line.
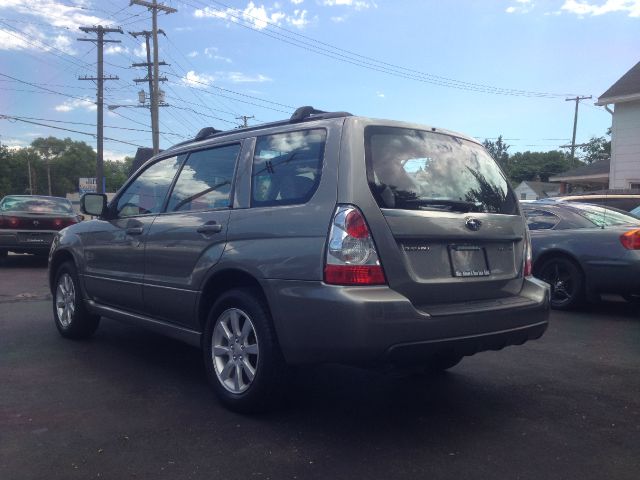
244 119
575 122
154 6
100 41
153 100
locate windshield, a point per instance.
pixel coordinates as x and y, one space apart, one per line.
36 205
421 170
603 216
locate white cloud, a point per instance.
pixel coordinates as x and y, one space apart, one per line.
113 155
583 8
259 17
339 19
238 77
211 53
521 6
141 50
192 54
193 79
379 94
297 2
357 4
74 104
113 49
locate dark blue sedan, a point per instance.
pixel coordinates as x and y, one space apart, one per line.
584 250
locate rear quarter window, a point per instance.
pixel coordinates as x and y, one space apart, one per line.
421 170
287 167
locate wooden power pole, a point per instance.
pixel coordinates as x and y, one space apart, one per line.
100 41
153 100
575 122
154 6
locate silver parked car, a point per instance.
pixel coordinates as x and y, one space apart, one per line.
323 238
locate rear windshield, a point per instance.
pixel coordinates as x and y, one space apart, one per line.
36 205
603 216
420 170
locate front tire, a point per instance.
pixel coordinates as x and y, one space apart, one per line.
242 358
69 312
566 280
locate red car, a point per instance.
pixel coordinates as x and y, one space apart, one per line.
28 223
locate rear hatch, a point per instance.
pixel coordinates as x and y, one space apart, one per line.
456 231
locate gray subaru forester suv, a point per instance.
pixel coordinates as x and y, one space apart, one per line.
323 238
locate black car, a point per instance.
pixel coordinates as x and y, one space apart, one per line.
28 223
584 250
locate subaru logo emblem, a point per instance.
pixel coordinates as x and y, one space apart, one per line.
36 223
473 224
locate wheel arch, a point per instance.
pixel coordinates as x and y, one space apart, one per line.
222 281
59 257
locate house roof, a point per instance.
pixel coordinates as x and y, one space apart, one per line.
542 189
594 171
626 89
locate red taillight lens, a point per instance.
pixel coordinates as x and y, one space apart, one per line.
352 258
631 239
355 225
354 275
528 267
13 222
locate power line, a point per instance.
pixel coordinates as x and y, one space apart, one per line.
347 56
17 119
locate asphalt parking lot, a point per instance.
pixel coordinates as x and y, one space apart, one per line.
130 404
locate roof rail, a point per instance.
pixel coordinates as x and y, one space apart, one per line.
301 114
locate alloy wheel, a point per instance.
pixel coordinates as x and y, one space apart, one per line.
65 300
234 350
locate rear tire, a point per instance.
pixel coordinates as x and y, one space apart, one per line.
70 314
566 280
241 355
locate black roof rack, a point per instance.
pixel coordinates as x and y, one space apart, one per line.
301 114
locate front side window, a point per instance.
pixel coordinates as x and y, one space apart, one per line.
287 167
421 170
147 192
205 180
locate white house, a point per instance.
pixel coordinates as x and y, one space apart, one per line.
529 190
625 129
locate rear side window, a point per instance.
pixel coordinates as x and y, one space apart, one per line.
541 219
287 167
420 170
205 180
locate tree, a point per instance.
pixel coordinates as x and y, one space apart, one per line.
597 148
542 165
498 150
116 173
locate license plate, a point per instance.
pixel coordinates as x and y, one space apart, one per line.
468 261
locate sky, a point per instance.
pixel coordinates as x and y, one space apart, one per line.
484 68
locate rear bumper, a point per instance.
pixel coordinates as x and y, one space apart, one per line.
319 323
26 241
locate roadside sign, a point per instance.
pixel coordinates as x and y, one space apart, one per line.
88 185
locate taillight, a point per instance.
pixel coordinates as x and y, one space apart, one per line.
631 239
60 223
12 222
528 268
352 258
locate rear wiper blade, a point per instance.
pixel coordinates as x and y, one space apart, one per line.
441 204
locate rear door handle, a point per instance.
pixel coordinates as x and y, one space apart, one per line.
134 231
209 228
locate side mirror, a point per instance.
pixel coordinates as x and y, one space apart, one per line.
94 204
